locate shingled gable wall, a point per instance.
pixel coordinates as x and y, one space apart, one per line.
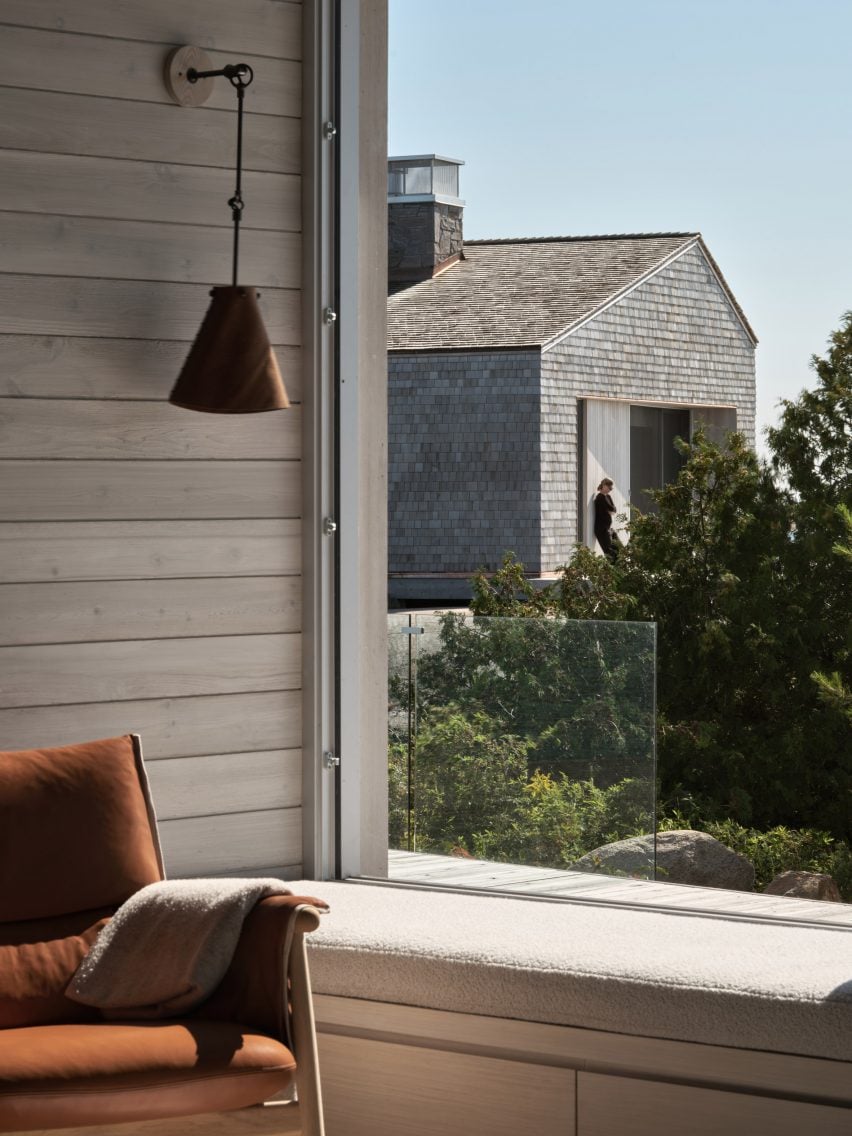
463 472
466 428
674 339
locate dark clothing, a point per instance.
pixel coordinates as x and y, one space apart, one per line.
606 538
604 509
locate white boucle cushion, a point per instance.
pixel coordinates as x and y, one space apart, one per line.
687 977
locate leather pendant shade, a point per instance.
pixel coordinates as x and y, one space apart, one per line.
231 368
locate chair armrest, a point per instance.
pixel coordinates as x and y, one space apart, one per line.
254 989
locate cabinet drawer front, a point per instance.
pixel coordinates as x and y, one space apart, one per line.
608 1105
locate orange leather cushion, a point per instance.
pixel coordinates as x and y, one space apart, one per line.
37 961
74 829
112 1073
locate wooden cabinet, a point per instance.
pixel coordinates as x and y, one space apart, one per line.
377 1088
624 1106
392 1070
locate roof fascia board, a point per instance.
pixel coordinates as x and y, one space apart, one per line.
694 242
486 349
729 295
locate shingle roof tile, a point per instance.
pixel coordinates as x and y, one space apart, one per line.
522 293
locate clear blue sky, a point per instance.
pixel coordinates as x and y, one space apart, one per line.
730 117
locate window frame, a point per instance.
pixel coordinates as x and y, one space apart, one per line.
345 436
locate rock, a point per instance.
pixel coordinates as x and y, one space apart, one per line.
632 857
683 857
805 885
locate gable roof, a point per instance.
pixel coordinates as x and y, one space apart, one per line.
527 292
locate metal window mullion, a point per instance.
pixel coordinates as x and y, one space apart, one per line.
350 660
320 504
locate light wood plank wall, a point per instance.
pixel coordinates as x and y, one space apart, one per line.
150 557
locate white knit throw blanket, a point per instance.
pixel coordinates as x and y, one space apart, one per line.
167 948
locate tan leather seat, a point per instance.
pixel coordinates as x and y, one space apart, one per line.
67 1075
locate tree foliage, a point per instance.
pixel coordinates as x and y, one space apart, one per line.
580 693
534 740
741 728
475 794
811 447
529 738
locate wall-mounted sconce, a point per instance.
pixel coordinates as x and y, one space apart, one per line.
231 367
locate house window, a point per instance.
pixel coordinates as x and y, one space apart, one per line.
634 445
654 460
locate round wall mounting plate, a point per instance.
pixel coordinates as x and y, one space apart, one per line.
179 87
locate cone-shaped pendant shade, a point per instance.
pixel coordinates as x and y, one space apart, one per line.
231 367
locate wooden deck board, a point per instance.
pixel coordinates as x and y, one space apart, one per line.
516 879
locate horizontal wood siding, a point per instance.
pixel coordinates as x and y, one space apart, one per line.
145 132
143 250
103 610
147 490
170 727
146 431
221 783
66 673
198 846
150 557
142 370
147 550
190 195
262 27
141 309
87 65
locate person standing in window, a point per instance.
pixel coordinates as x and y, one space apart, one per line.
604 512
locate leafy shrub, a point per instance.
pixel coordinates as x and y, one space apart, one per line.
473 793
778 849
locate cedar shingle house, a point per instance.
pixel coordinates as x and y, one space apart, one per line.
523 371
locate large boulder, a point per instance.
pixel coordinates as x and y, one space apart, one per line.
805 885
683 857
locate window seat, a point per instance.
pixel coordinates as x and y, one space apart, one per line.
786 989
744 1010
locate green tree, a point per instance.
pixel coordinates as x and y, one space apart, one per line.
812 444
752 595
587 588
834 688
812 454
812 457
579 694
708 569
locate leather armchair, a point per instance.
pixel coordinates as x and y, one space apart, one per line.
78 838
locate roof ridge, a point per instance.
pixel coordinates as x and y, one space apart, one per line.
594 237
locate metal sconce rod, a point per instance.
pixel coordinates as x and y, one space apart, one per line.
239 75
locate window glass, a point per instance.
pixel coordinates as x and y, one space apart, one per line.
525 744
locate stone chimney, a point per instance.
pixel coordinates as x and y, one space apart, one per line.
424 216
